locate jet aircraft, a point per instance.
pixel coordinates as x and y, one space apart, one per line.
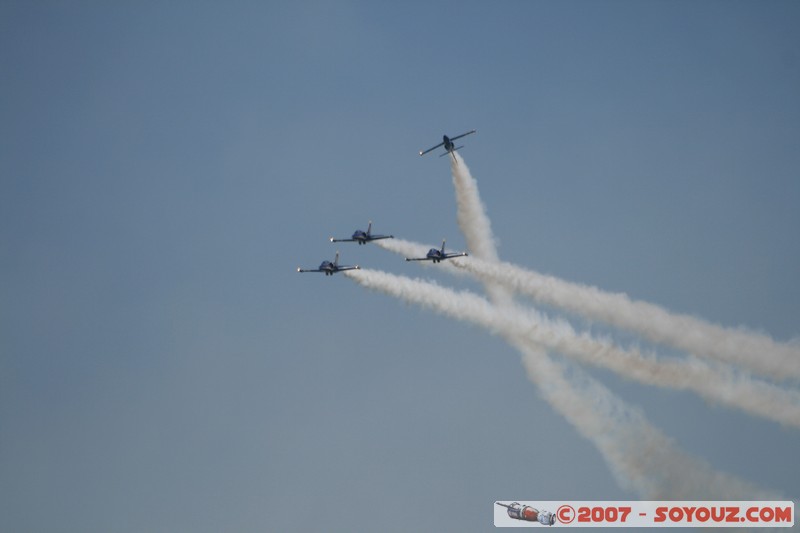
331 268
363 237
436 255
448 144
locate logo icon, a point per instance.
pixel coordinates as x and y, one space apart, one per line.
528 513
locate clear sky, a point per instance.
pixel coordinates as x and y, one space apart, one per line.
165 167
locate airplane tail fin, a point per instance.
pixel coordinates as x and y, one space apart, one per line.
369 228
453 154
443 246
336 260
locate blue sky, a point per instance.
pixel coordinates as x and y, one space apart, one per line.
164 168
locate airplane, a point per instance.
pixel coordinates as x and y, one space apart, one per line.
448 144
363 237
437 255
331 268
529 514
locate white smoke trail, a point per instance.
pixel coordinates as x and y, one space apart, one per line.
641 457
716 383
471 213
753 351
720 383
475 225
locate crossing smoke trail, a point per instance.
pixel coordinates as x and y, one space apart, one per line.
475 225
753 351
641 457
627 458
574 396
471 213
716 383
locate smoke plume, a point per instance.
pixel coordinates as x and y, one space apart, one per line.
717 383
756 352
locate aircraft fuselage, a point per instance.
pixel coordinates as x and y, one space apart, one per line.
434 255
448 144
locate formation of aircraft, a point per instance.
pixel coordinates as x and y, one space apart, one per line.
363 237
437 255
330 268
448 144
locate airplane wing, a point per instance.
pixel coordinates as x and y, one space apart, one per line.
342 240
378 237
462 135
418 258
461 254
309 270
423 152
342 269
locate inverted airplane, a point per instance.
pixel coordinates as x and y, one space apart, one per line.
436 255
331 268
363 237
448 144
